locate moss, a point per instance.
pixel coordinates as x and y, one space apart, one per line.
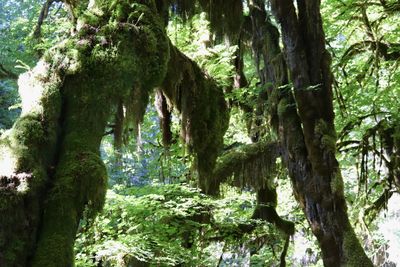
282 107
84 77
354 254
327 135
118 60
251 165
80 182
337 186
27 150
204 113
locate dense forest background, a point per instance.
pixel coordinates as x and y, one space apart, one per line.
157 212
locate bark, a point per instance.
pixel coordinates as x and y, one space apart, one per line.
50 167
304 123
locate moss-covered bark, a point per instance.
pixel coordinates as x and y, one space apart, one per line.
204 113
254 166
308 137
250 165
51 169
26 157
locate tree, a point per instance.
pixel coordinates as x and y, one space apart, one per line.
51 172
50 165
308 139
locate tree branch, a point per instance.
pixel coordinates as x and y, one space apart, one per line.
6 74
42 16
249 161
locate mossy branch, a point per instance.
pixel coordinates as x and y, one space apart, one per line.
250 165
204 112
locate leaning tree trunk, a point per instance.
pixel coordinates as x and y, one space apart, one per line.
305 124
51 172
50 167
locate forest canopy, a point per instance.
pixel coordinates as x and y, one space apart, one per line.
199 133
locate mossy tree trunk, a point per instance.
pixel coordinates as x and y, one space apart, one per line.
304 123
51 171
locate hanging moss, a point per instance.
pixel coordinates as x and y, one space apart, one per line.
204 113
164 115
251 165
118 127
67 100
225 16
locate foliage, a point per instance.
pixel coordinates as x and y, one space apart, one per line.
165 224
8 100
195 40
20 50
153 212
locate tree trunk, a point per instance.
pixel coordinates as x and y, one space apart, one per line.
51 172
305 124
50 167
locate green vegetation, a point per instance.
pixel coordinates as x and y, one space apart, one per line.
199 133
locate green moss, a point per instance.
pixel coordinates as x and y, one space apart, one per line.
336 183
282 107
120 45
327 135
115 58
27 150
354 254
251 165
205 116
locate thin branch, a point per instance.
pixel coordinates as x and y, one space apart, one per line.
42 16
284 252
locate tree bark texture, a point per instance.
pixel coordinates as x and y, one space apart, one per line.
303 120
